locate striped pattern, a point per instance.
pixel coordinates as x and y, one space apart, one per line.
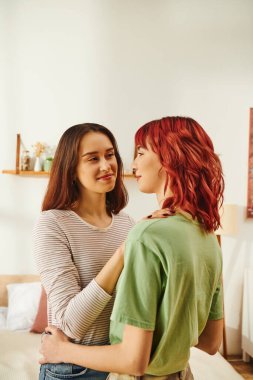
69 253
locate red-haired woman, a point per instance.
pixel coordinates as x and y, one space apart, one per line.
79 230
169 296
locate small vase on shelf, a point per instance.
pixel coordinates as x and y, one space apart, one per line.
37 165
48 164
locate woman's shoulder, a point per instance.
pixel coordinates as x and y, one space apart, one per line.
54 214
124 217
146 229
141 228
51 216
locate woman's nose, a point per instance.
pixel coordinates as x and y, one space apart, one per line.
104 165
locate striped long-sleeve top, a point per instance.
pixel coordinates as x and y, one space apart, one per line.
69 253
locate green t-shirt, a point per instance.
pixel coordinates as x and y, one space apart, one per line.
171 284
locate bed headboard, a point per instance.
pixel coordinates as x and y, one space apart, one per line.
6 279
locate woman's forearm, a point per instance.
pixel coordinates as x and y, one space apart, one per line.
115 358
108 276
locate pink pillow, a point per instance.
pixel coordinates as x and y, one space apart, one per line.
40 321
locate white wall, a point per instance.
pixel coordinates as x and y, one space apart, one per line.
123 63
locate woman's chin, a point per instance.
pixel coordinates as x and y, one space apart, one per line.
144 189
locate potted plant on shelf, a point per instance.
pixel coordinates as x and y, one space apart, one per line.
48 164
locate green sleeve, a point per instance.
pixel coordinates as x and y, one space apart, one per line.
139 287
216 311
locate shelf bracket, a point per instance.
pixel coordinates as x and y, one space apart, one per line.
18 153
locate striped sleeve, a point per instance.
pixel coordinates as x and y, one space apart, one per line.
74 309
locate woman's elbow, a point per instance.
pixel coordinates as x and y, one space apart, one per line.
138 371
138 367
70 330
213 349
215 345
210 349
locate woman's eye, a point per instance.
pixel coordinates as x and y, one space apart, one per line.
139 154
93 159
110 155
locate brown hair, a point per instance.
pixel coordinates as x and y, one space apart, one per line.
62 192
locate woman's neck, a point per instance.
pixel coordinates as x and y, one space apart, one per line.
92 208
161 196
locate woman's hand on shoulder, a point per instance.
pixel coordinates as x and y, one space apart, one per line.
160 214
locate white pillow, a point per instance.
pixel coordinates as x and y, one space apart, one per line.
3 315
23 303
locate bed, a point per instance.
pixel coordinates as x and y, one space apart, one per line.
19 349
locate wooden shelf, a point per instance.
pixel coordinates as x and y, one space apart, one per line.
43 174
31 173
27 173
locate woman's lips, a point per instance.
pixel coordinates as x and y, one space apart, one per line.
105 177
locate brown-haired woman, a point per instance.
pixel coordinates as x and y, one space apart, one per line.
76 239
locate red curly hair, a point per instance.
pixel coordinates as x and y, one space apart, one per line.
194 170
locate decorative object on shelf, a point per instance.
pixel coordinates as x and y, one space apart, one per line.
25 160
39 148
37 165
229 223
250 169
48 164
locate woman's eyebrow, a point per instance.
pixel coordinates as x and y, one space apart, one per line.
95 152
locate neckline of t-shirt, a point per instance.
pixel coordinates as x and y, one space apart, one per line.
92 225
